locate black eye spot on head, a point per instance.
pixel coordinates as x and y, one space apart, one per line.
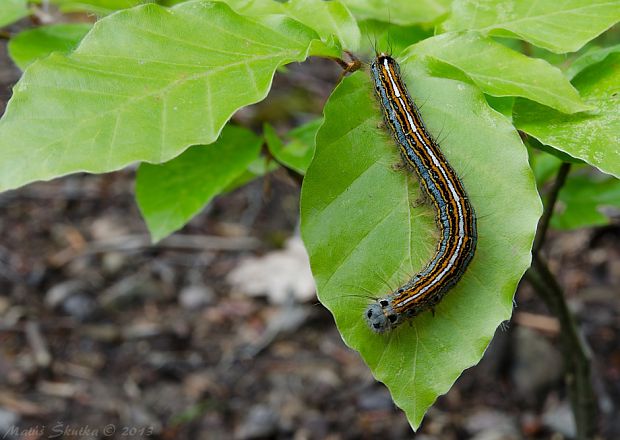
401 290
383 303
392 318
369 314
376 325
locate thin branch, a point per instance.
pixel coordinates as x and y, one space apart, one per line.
552 197
137 242
575 349
348 67
342 63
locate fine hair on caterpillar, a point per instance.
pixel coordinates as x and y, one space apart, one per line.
454 214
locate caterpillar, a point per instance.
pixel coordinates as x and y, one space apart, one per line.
454 214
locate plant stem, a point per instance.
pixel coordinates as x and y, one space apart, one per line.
574 349
552 197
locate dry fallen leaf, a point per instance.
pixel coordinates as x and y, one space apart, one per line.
280 275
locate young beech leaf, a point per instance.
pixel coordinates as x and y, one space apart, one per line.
145 84
33 44
593 137
362 226
12 10
170 194
557 26
501 71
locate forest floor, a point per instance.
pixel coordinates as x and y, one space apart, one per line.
100 331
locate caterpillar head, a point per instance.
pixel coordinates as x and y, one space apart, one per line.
381 316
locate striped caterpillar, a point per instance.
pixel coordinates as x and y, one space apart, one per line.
454 215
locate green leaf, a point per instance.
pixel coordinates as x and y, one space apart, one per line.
99 7
12 10
33 44
593 137
400 12
502 105
259 167
170 194
557 26
327 18
392 38
563 157
361 225
500 71
145 84
583 200
586 197
593 56
297 153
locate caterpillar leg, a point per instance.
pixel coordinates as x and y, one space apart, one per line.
399 166
421 200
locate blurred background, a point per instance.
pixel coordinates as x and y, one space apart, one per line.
216 332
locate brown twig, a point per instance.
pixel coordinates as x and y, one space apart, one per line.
132 243
574 349
348 66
